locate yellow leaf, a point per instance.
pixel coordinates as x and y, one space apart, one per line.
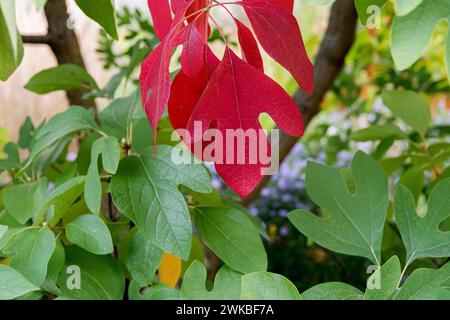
170 270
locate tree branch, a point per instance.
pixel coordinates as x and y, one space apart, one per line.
338 40
37 39
64 44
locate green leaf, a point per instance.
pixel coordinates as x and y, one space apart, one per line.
421 235
227 284
143 259
13 284
410 107
363 8
378 132
24 200
13 159
267 286
90 233
332 291
11 46
108 148
72 120
383 283
116 118
426 284
156 292
60 200
403 7
153 201
414 179
230 234
418 25
3 230
103 12
56 263
26 133
101 277
30 251
63 77
356 221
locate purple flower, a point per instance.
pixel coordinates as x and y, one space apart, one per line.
284 231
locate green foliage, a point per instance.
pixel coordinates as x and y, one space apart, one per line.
103 12
90 233
355 223
153 202
11 46
98 226
231 235
63 77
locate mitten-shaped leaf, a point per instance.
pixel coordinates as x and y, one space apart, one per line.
355 222
421 235
234 98
227 284
153 201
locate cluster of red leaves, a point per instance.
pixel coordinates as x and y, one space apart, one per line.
233 92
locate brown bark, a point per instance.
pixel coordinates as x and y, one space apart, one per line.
329 62
64 44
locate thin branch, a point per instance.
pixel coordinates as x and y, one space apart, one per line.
37 39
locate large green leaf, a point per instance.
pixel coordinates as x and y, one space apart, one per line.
101 277
378 132
267 286
109 150
3 230
421 235
426 284
63 77
230 234
227 284
30 251
11 46
72 120
155 292
143 259
403 7
152 199
90 233
411 33
383 283
23 201
355 223
13 284
103 12
410 107
117 117
12 161
60 200
332 291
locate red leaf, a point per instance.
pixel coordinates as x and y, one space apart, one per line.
193 55
155 77
249 46
285 4
188 90
201 18
279 34
161 16
234 98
